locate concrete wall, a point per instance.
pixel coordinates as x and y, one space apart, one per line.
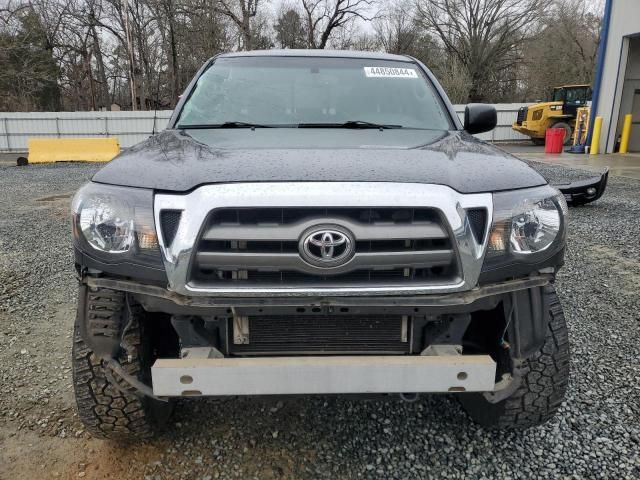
625 23
133 127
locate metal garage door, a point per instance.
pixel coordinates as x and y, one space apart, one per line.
634 141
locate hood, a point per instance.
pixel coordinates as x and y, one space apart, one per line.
177 161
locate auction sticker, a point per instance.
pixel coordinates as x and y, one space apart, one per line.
390 72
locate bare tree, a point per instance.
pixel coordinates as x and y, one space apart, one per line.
104 100
29 71
88 54
323 17
483 35
240 12
564 52
396 29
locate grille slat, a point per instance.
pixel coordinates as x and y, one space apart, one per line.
369 231
293 261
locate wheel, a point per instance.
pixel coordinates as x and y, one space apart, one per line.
538 141
568 131
104 409
544 382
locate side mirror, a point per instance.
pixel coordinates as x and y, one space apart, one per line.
479 118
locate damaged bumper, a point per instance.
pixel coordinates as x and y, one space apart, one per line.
584 191
217 358
323 375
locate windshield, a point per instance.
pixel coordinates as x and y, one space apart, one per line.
313 92
558 94
577 96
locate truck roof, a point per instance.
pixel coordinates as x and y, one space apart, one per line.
317 53
573 86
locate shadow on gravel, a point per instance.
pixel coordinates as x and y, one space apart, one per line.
310 437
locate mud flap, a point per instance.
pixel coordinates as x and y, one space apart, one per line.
528 326
526 331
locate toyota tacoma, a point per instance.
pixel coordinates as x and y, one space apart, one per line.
316 222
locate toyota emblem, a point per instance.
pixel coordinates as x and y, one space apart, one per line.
327 246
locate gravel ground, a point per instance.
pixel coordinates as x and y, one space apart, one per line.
595 435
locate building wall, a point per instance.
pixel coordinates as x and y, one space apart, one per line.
624 23
630 99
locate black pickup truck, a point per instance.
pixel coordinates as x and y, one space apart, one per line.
317 222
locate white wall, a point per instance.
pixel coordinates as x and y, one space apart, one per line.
133 127
625 21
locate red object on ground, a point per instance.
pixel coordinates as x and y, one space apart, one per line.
554 140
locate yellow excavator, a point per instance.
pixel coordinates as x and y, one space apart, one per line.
560 112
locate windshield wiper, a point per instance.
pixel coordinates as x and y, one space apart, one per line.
206 126
349 124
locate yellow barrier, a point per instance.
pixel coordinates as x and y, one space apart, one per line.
626 133
49 150
595 139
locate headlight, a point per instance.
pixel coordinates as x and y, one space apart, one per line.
107 224
528 226
116 224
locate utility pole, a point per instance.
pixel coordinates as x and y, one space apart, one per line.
127 30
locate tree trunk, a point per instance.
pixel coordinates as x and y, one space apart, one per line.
246 31
143 71
103 92
175 70
86 56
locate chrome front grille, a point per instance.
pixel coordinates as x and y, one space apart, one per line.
261 246
241 239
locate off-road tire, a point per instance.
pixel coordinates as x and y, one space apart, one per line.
545 376
104 409
568 132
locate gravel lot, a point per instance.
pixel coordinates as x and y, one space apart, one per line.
595 435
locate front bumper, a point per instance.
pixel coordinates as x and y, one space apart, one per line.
222 372
584 191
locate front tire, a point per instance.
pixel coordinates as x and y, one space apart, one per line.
545 376
568 131
104 409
